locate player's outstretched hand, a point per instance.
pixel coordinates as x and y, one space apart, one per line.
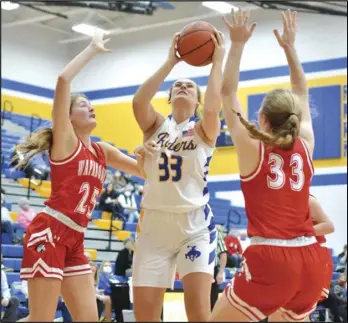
219 42
98 42
173 57
239 29
150 148
289 29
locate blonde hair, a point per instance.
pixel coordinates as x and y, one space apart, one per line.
282 110
39 141
103 264
96 274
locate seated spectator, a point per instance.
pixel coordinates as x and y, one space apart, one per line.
342 260
38 166
234 249
129 206
109 203
124 260
103 301
6 221
10 303
26 215
336 302
121 182
104 276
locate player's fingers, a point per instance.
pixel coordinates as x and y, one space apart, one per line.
246 17
213 37
285 21
294 19
240 16
252 28
234 17
276 33
227 23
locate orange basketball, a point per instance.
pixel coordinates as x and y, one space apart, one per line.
195 45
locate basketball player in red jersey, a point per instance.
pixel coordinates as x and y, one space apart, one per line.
322 226
283 267
54 260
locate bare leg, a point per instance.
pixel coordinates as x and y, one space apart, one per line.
224 311
79 296
108 308
42 291
197 288
148 302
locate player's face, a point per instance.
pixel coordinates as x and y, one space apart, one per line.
184 89
82 114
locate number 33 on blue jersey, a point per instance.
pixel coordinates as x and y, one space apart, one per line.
170 167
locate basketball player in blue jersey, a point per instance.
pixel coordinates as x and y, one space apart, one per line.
176 230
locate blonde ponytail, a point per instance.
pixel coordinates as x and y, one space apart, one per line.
39 141
283 138
283 112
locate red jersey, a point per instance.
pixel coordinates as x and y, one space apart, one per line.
277 193
77 182
233 245
320 239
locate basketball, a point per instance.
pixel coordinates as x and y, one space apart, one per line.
195 45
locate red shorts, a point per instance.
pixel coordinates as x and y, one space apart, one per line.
289 279
53 250
327 280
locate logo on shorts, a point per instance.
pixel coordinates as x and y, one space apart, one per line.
193 253
41 248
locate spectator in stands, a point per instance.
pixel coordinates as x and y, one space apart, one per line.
220 265
335 302
10 303
26 214
109 203
104 276
103 301
6 222
124 261
234 249
342 260
129 205
37 167
121 183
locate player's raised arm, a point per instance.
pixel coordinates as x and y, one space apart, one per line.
64 138
148 118
323 224
117 159
239 128
297 75
212 101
